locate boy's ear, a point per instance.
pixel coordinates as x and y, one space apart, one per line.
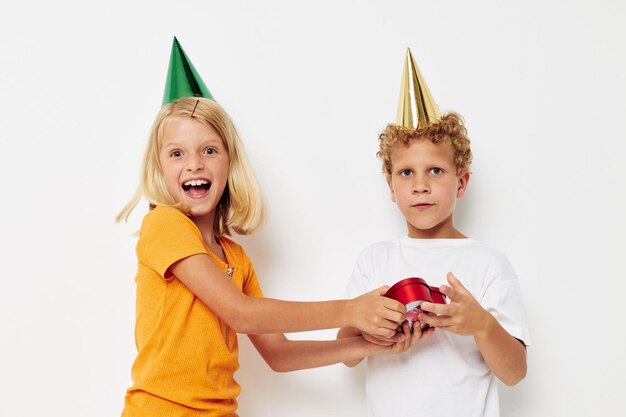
463 180
393 194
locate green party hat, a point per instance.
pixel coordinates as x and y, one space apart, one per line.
182 78
416 108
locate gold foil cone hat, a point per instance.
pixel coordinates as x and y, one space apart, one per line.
416 108
182 78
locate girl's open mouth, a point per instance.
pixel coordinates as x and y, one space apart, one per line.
196 188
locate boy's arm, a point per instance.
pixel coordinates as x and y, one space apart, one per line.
283 355
505 355
349 332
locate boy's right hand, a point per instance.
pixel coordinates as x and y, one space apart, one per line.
409 338
377 315
405 338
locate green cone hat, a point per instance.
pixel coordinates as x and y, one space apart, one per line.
416 108
182 78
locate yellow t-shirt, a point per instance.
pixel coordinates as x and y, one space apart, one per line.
187 355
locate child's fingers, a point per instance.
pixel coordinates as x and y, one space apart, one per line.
428 332
382 290
386 329
411 338
455 283
375 314
406 343
418 333
395 311
450 292
386 307
436 321
435 308
394 305
379 327
428 319
383 341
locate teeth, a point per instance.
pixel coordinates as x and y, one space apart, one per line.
195 183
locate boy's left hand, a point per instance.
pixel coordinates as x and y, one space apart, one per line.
463 315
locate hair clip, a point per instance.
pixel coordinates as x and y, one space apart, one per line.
194 107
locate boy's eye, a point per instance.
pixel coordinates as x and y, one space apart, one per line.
176 154
406 172
436 171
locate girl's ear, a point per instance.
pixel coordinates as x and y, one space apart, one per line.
463 180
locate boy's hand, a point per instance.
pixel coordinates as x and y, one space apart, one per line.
463 315
377 315
407 339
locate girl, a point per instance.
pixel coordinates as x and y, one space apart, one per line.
196 288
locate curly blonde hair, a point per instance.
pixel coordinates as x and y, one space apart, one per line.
449 129
242 207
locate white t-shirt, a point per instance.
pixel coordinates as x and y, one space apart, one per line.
445 374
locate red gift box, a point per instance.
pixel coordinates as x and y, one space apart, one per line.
412 292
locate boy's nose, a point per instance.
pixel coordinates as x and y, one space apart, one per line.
420 186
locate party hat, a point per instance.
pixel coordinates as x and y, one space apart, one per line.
182 78
416 108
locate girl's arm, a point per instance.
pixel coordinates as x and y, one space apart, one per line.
370 312
284 355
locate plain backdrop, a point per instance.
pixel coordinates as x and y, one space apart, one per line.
541 84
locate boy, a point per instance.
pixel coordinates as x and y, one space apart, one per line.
481 333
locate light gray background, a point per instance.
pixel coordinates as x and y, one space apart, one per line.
310 84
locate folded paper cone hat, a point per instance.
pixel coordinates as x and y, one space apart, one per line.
416 108
182 78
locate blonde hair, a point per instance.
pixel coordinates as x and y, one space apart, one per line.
241 207
450 129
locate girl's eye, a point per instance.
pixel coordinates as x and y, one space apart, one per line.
210 151
176 154
436 171
405 172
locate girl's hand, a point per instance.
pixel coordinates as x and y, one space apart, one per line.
377 315
383 341
464 315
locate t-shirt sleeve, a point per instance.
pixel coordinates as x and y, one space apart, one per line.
503 299
167 235
251 286
361 279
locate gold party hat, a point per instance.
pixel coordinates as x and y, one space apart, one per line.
417 108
